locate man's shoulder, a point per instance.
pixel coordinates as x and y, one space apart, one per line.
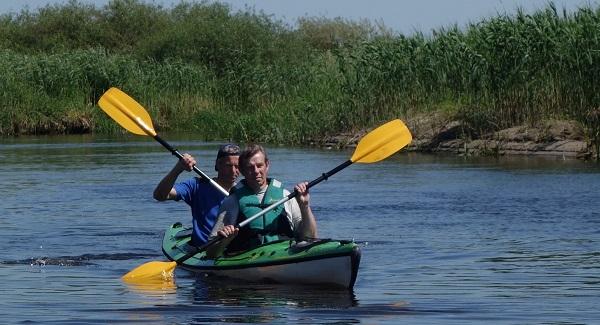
201 180
230 202
204 186
194 181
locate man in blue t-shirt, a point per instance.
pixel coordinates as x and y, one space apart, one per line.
198 193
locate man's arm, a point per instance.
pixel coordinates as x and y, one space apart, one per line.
307 229
164 190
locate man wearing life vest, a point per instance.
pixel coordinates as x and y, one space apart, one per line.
293 219
198 193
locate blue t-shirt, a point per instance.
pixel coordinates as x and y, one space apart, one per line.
204 200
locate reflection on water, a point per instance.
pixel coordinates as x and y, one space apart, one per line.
153 287
226 292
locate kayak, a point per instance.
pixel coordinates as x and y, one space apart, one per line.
324 262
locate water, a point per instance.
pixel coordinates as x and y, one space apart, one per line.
445 239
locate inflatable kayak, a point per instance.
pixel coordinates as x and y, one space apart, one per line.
322 262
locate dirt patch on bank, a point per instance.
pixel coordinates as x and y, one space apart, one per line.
439 133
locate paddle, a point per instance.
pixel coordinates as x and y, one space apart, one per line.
135 119
373 147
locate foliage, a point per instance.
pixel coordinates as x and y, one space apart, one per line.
247 76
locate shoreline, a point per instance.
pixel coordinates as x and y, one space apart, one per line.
436 133
433 133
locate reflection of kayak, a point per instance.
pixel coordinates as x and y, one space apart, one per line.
323 262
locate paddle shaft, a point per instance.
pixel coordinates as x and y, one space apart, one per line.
177 154
312 183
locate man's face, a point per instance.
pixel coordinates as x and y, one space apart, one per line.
228 168
255 171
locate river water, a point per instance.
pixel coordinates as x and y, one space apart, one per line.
445 239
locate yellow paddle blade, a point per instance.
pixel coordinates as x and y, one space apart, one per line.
127 112
149 271
382 142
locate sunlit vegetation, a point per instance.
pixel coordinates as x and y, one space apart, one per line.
245 75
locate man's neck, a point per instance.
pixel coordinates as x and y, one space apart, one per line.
224 184
258 189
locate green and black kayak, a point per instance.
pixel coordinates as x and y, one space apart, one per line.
324 262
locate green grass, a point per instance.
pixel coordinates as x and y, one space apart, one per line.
250 77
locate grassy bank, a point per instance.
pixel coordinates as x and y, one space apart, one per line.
249 77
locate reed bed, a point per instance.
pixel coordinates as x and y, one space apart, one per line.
249 77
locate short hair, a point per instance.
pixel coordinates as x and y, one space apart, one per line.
229 149
249 151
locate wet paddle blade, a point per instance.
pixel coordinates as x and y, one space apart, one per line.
382 142
127 112
153 286
150 270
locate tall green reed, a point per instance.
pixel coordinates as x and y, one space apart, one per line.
245 75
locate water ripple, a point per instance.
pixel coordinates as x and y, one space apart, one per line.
81 260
